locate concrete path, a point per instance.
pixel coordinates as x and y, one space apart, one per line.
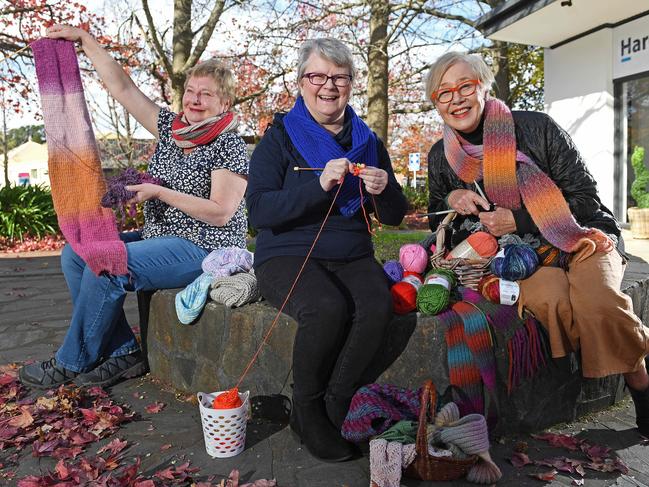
34 313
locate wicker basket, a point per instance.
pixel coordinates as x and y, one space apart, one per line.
425 466
468 271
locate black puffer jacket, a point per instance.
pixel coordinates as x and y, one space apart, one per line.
547 144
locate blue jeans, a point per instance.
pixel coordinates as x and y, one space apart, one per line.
98 328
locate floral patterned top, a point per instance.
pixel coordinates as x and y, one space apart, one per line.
191 174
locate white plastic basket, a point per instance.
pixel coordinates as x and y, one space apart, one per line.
224 430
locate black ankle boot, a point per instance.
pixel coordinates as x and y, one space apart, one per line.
337 408
309 421
641 401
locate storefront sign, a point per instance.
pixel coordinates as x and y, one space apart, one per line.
631 48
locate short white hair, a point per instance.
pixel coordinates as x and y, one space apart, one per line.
330 49
444 62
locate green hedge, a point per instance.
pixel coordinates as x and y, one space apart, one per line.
26 211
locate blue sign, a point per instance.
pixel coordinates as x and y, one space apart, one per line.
414 161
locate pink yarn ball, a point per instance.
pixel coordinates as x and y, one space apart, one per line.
413 258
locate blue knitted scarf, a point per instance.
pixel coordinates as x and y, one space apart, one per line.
317 147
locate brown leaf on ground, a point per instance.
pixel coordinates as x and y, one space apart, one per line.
113 447
545 476
559 440
155 408
519 460
165 447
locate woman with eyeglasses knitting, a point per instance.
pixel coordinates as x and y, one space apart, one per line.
538 184
203 165
341 302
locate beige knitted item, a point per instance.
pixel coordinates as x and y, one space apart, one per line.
387 460
235 290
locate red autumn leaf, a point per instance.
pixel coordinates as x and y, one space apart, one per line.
155 407
166 474
560 464
520 460
165 447
6 379
67 453
147 483
545 476
7 433
114 446
559 440
89 415
97 391
62 470
30 481
41 449
23 420
595 451
82 437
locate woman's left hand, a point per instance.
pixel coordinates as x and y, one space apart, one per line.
498 222
375 179
144 192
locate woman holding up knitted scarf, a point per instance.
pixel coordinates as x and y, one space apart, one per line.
538 184
341 302
203 165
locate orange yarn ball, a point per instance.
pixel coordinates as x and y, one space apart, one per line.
227 400
489 287
404 293
477 245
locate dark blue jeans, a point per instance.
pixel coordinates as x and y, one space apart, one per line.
343 310
98 328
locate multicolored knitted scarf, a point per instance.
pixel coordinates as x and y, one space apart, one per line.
73 159
506 182
188 136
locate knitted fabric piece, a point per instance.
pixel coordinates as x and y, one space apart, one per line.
463 372
75 172
317 147
404 432
448 414
506 182
470 433
484 472
375 407
236 290
387 460
188 136
191 300
226 261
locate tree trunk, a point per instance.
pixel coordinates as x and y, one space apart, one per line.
5 146
499 54
181 49
377 63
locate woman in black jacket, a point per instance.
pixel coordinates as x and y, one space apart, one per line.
341 302
536 183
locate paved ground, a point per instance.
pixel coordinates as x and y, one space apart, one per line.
34 312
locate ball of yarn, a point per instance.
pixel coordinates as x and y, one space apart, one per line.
413 258
490 287
433 296
475 246
515 262
394 270
404 293
227 400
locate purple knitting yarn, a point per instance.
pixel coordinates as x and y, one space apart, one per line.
394 270
518 262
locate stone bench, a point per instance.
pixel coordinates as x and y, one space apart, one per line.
211 353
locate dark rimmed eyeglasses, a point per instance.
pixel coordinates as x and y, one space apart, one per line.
320 79
465 88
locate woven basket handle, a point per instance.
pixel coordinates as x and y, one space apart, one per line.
428 399
441 231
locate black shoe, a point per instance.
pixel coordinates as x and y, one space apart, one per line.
337 408
114 369
310 422
45 375
641 402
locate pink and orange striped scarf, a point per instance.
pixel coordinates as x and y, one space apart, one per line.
506 182
73 159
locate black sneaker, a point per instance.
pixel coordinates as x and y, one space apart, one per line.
45 375
114 369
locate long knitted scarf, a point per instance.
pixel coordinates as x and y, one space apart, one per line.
73 159
317 147
188 136
506 182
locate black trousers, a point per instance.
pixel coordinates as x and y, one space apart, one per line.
342 309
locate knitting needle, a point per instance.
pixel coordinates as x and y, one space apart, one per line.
477 186
298 168
444 212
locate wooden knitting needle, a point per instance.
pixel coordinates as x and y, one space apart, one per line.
443 212
298 168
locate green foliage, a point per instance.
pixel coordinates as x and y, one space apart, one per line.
20 135
639 186
26 211
417 197
525 64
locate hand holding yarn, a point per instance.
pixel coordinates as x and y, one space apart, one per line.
334 172
144 192
498 222
118 194
467 202
375 179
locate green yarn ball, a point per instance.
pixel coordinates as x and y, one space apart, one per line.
434 298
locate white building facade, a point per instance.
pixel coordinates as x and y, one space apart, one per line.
596 78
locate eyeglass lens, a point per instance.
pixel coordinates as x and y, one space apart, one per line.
320 79
465 89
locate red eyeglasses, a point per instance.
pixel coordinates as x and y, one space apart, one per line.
465 88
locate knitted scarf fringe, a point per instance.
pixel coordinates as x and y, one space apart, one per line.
506 182
75 172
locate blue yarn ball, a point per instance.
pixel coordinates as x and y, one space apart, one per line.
394 270
519 262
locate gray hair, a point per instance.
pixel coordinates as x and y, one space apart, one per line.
444 62
330 49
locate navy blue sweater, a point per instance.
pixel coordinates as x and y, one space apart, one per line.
287 207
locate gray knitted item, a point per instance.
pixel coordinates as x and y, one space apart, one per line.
235 290
470 433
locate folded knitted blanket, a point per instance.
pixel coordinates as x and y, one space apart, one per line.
226 261
236 290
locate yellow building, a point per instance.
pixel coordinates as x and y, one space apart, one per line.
28 164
